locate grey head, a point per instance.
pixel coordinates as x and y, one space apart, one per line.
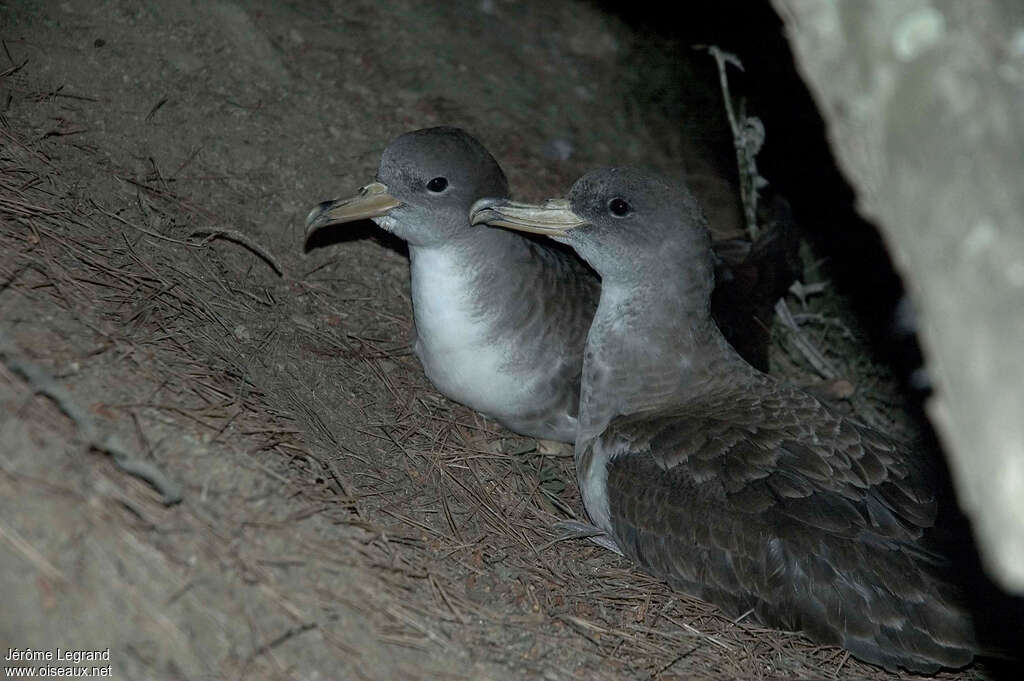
628 224
425 185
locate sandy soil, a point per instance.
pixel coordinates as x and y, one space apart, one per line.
340 519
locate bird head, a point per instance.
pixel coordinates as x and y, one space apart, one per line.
425 185
624 222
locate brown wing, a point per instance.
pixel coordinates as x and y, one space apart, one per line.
766 501
751 277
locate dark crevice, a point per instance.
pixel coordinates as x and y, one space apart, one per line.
796 158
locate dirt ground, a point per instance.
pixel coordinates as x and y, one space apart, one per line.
339 518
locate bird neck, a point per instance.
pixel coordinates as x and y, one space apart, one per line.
476 243
651 345
465 275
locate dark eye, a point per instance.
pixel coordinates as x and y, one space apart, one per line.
619 207
437 185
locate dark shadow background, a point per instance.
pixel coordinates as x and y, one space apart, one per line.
796 158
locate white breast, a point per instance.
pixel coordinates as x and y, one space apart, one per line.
454 342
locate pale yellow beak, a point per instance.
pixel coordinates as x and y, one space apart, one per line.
372 201
553 217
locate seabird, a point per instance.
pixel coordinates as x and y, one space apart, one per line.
484 335
501 318
735 487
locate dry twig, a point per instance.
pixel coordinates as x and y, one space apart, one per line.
242 239
43 383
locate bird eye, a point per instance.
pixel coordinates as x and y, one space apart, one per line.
619 207
437 185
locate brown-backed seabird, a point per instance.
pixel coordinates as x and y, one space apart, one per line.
733 486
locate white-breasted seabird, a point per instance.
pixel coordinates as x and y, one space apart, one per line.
733 486
517 361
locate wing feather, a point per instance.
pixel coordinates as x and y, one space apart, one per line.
811 520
